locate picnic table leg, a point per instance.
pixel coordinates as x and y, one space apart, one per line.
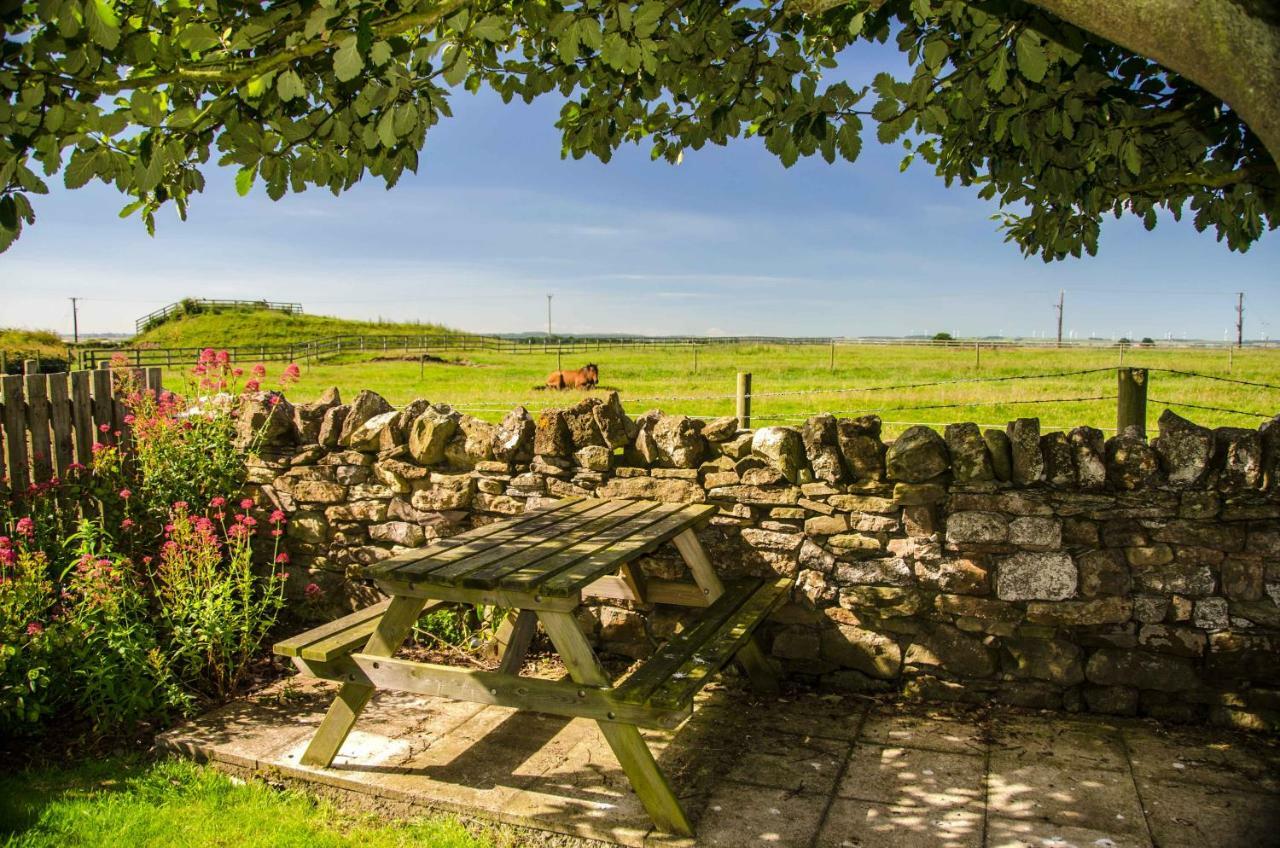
513 639
753 660
393 628
628 745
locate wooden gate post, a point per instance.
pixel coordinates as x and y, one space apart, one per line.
1131 399
744 400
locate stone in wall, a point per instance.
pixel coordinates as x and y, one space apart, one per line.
970 458
1025 576
513 437
783 449
1088 448
1238 455
364 406
860 445
1131 463
307 417
331 426
551 435
822 448
1026 460
1000 449
679 441
1059 460
429 433
1185 449
919 454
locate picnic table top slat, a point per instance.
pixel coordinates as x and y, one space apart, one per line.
531 575
561 548
535 540
544 559
602 562
474 541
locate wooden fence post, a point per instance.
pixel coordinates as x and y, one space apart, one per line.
15 431
1131 401
977 356
744 400
833 355
30 366
695 359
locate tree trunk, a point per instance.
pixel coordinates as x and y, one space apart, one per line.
1230 48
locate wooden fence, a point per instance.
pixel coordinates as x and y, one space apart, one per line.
49 421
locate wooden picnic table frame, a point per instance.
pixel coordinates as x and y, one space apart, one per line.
540 566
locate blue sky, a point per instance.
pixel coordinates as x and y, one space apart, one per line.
729 242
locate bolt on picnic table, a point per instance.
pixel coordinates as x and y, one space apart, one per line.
540 566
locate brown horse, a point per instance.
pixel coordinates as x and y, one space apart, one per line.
583 378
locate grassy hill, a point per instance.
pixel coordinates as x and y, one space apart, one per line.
231 327
30 344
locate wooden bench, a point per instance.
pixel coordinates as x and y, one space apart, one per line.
542 565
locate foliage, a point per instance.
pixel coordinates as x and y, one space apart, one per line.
17 345
26 647
1059 127
126 801
119 600
942 337
215 608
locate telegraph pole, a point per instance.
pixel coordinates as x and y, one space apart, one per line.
549 316
1062 294
75 322
1240 319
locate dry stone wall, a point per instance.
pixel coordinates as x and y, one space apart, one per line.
1058 570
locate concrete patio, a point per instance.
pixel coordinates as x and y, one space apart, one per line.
806 770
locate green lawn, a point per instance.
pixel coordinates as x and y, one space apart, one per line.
130 803
488 384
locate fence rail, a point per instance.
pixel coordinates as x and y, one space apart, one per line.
315 349
49 421
160 315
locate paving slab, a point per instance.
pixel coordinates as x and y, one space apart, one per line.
852 823
912 777
1100 800
928 729
1205 817
1021 833
806 770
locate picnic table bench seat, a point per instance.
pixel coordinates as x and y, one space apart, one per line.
542 565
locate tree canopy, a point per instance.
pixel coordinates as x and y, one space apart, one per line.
1058 124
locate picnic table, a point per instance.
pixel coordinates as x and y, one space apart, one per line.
541 566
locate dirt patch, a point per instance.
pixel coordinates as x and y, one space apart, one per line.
422 357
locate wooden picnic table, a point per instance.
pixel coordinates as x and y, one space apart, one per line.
540 566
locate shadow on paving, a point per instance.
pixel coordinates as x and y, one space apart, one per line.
806 770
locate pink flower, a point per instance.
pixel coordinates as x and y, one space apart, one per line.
25 527
35 628
277 532
251 385
104 428
129 419
273 400
237 372
217 502
247 503
207 355
222 357
259 370
282 575
282 558
5 543
126 494
313 591
277 516
180 506
199 370
127 523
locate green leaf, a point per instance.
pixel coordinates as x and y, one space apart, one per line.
490 28
935 53
8 213
1132 158
380 53
347 62
1032 62
456 66
998 78
289 85
81 168
104 23
244 179
198 38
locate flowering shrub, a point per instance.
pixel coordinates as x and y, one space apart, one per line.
216 610
26 598
119 601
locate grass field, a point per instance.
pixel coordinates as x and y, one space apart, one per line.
488 384
129 802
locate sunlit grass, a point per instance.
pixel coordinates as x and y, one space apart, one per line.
126 802
488 384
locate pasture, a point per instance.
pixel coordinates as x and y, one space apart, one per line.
791 382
